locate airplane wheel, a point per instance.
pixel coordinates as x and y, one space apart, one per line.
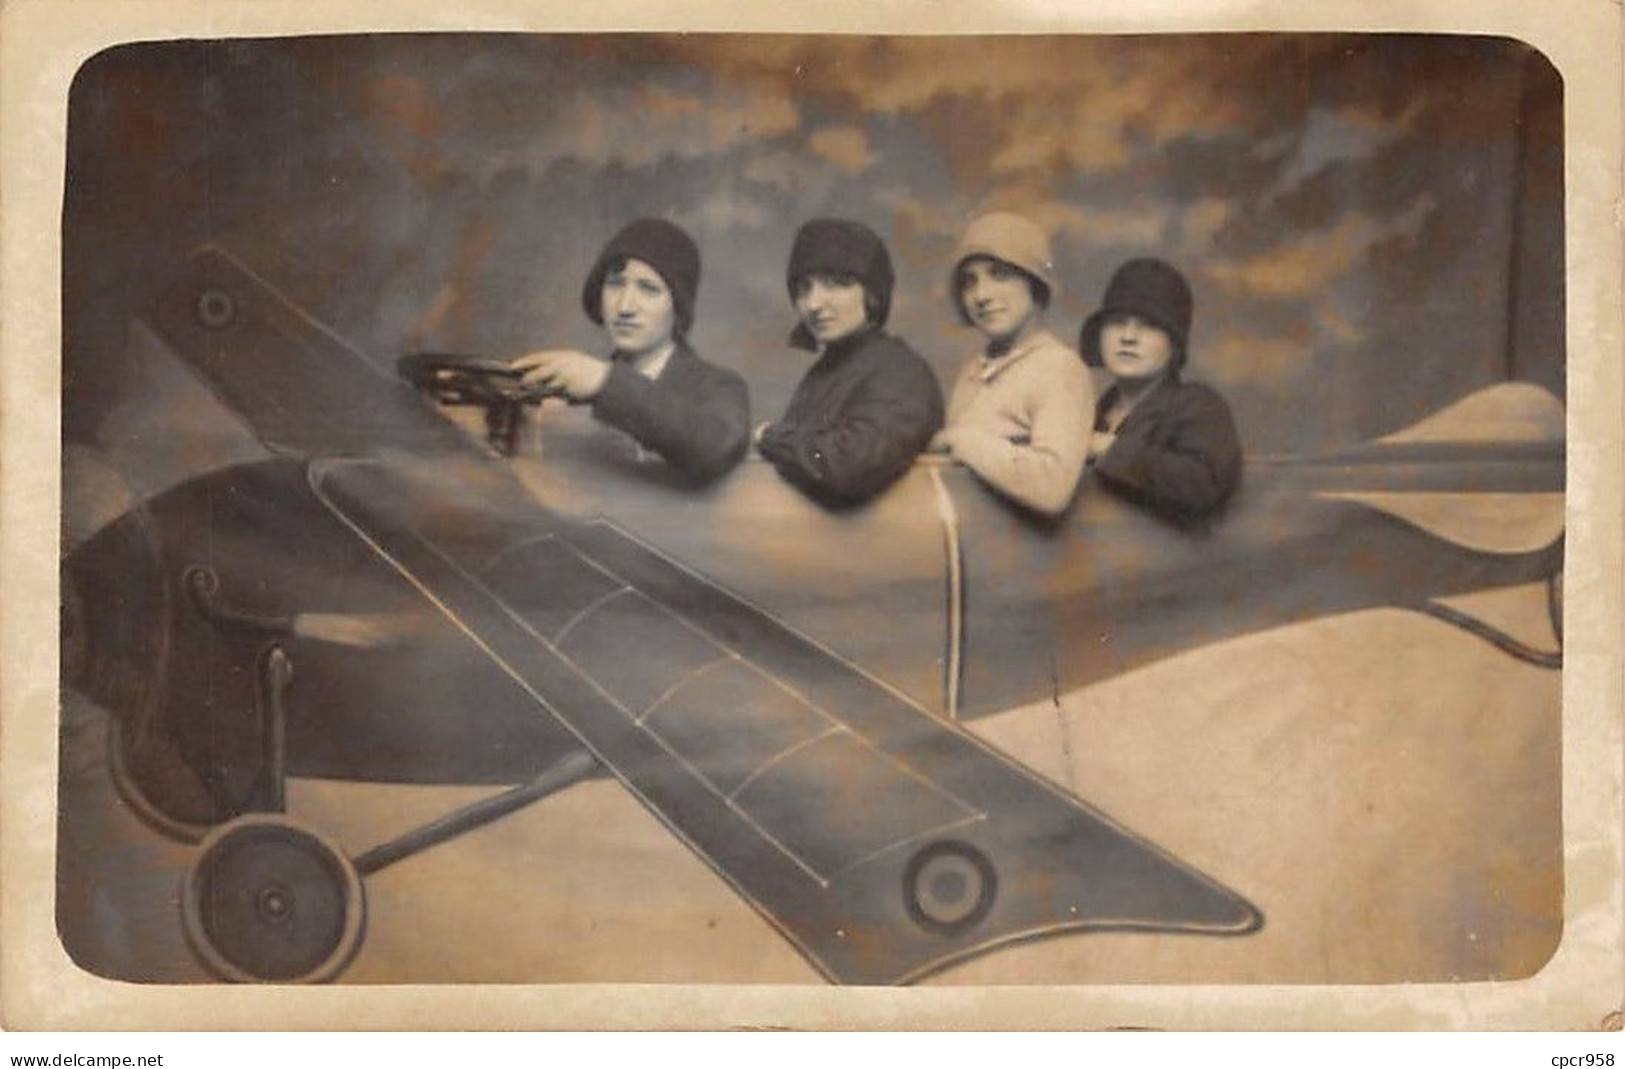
949 887
267 900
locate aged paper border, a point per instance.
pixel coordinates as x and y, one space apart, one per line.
42 44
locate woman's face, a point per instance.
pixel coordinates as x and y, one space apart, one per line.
1135 349
831 307
997 298
637 308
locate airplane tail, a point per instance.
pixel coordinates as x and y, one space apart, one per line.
1503 413
1485 473
1502 449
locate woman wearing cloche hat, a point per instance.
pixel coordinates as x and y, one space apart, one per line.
869 404
1017 414
694 415
1160 442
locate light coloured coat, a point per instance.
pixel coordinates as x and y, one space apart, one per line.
1021 421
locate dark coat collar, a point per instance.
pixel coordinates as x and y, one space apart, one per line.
1166 388
801 338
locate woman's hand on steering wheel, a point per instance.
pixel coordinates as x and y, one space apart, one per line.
574 375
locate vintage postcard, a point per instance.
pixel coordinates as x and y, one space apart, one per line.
939 516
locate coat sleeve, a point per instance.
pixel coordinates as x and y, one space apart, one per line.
1041 473
1183 463
701 430
888 419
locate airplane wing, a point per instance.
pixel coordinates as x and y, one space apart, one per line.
303 390
881 840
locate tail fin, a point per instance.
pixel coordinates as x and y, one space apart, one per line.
1504 413
1485 472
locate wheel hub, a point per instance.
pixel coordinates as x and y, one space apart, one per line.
275 904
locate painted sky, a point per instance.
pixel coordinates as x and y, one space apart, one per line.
1371 224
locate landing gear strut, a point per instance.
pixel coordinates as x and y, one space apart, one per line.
269 900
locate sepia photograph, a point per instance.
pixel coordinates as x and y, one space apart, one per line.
808 509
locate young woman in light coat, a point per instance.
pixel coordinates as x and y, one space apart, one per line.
1019 412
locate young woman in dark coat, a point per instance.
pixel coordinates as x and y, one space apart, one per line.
641 290
1158 441
869 405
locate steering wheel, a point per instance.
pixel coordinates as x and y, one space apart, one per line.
460 379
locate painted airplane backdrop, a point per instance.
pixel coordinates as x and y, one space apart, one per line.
1372 226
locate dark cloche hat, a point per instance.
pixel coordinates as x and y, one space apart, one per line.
662 245
1151 289
843 247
